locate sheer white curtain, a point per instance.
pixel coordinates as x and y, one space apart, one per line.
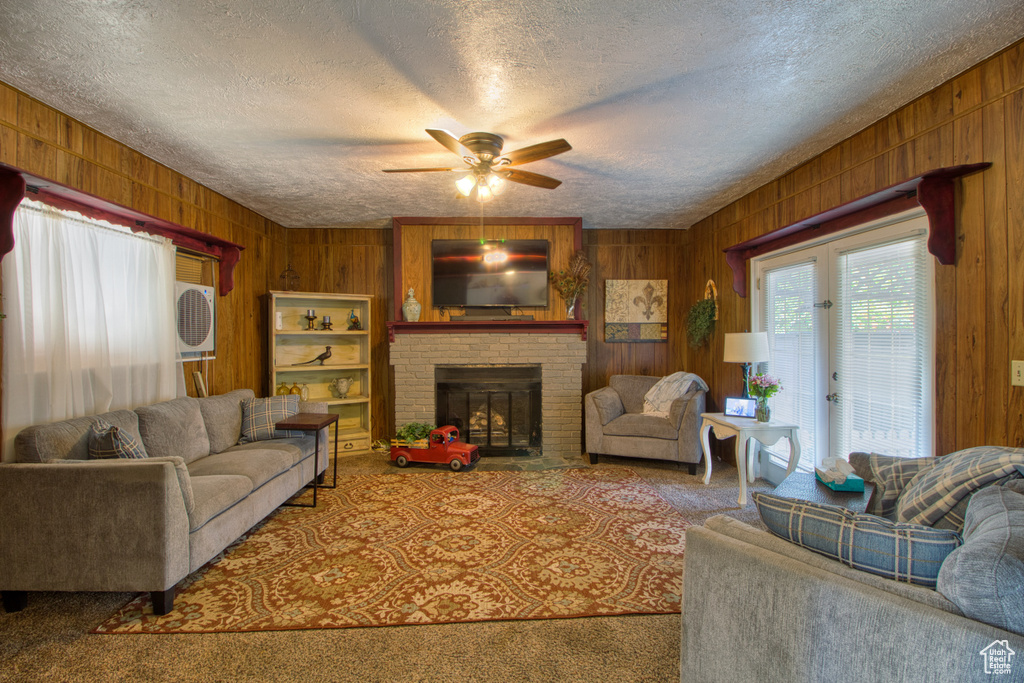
90 321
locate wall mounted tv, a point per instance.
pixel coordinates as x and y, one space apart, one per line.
505 273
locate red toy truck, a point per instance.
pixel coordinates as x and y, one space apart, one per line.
442 446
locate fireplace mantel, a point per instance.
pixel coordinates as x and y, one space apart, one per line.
491 326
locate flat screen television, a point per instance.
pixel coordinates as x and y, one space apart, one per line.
491 273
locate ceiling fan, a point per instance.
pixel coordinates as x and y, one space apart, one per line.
488 167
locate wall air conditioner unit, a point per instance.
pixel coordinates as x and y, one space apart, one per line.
195 318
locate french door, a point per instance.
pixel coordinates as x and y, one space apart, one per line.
850 331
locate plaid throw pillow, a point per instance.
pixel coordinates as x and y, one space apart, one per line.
260 414
890 475
108 441
909 553
934 492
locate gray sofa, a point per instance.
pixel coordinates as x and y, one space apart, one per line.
74 524
756 607
617 425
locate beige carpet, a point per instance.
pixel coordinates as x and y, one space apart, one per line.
436 548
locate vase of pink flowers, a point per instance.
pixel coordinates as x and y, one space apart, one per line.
762 388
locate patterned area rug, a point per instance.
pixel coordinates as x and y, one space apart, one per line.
439 548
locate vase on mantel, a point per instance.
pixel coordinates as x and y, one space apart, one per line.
570 309
763 412
411 308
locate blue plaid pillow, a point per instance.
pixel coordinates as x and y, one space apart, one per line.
909 553
108 441
259 415
890 475
934 492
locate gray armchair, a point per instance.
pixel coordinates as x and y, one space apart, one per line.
617 425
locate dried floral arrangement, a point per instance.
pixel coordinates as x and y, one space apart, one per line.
572 282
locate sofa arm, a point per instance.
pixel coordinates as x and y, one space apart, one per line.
93 525
753 614
685 414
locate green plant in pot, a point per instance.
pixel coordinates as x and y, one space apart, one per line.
700 321
413 431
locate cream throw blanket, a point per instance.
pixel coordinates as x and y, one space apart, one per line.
658 398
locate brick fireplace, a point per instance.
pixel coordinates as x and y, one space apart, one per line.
559 348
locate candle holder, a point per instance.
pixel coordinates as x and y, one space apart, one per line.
326 324
310 319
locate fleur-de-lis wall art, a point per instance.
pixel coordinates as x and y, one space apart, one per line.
636 310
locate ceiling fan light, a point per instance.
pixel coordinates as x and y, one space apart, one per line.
465 184
483 193
496 183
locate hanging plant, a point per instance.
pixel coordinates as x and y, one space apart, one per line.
700 321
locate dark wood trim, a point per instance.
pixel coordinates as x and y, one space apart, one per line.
933 191
478 326
67 198
396 267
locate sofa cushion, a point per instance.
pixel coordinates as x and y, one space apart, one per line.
223 418
638 424
984 576
296 448
214 494
260 414
259 465
108 441
910 553
936 490
174 428
68 439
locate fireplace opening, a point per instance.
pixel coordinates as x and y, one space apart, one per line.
496 407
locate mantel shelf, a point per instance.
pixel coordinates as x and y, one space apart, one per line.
479 326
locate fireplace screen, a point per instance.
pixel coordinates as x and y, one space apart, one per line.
495 407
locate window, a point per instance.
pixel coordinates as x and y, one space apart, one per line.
90 319
850 328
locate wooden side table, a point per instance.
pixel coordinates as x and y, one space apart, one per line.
745 429
313 422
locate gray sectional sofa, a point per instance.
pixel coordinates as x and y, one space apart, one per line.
74 524
756 607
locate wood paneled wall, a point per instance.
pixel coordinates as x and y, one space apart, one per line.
633 255
354 261
416 265
977 116
39 139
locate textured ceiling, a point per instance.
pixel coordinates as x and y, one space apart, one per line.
673 108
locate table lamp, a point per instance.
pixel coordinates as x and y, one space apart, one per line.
747 348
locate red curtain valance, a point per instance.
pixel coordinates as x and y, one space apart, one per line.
933 191
15 185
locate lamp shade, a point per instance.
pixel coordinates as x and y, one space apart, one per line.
746 347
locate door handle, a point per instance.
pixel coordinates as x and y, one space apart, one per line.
832 398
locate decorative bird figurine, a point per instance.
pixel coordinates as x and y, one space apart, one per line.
322 357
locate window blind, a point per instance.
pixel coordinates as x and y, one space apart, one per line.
882 332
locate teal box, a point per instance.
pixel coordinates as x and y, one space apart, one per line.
853 483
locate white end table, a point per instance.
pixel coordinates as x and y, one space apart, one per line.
745 429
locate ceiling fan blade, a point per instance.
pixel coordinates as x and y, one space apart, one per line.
419 170
449 141
537 152
527 178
